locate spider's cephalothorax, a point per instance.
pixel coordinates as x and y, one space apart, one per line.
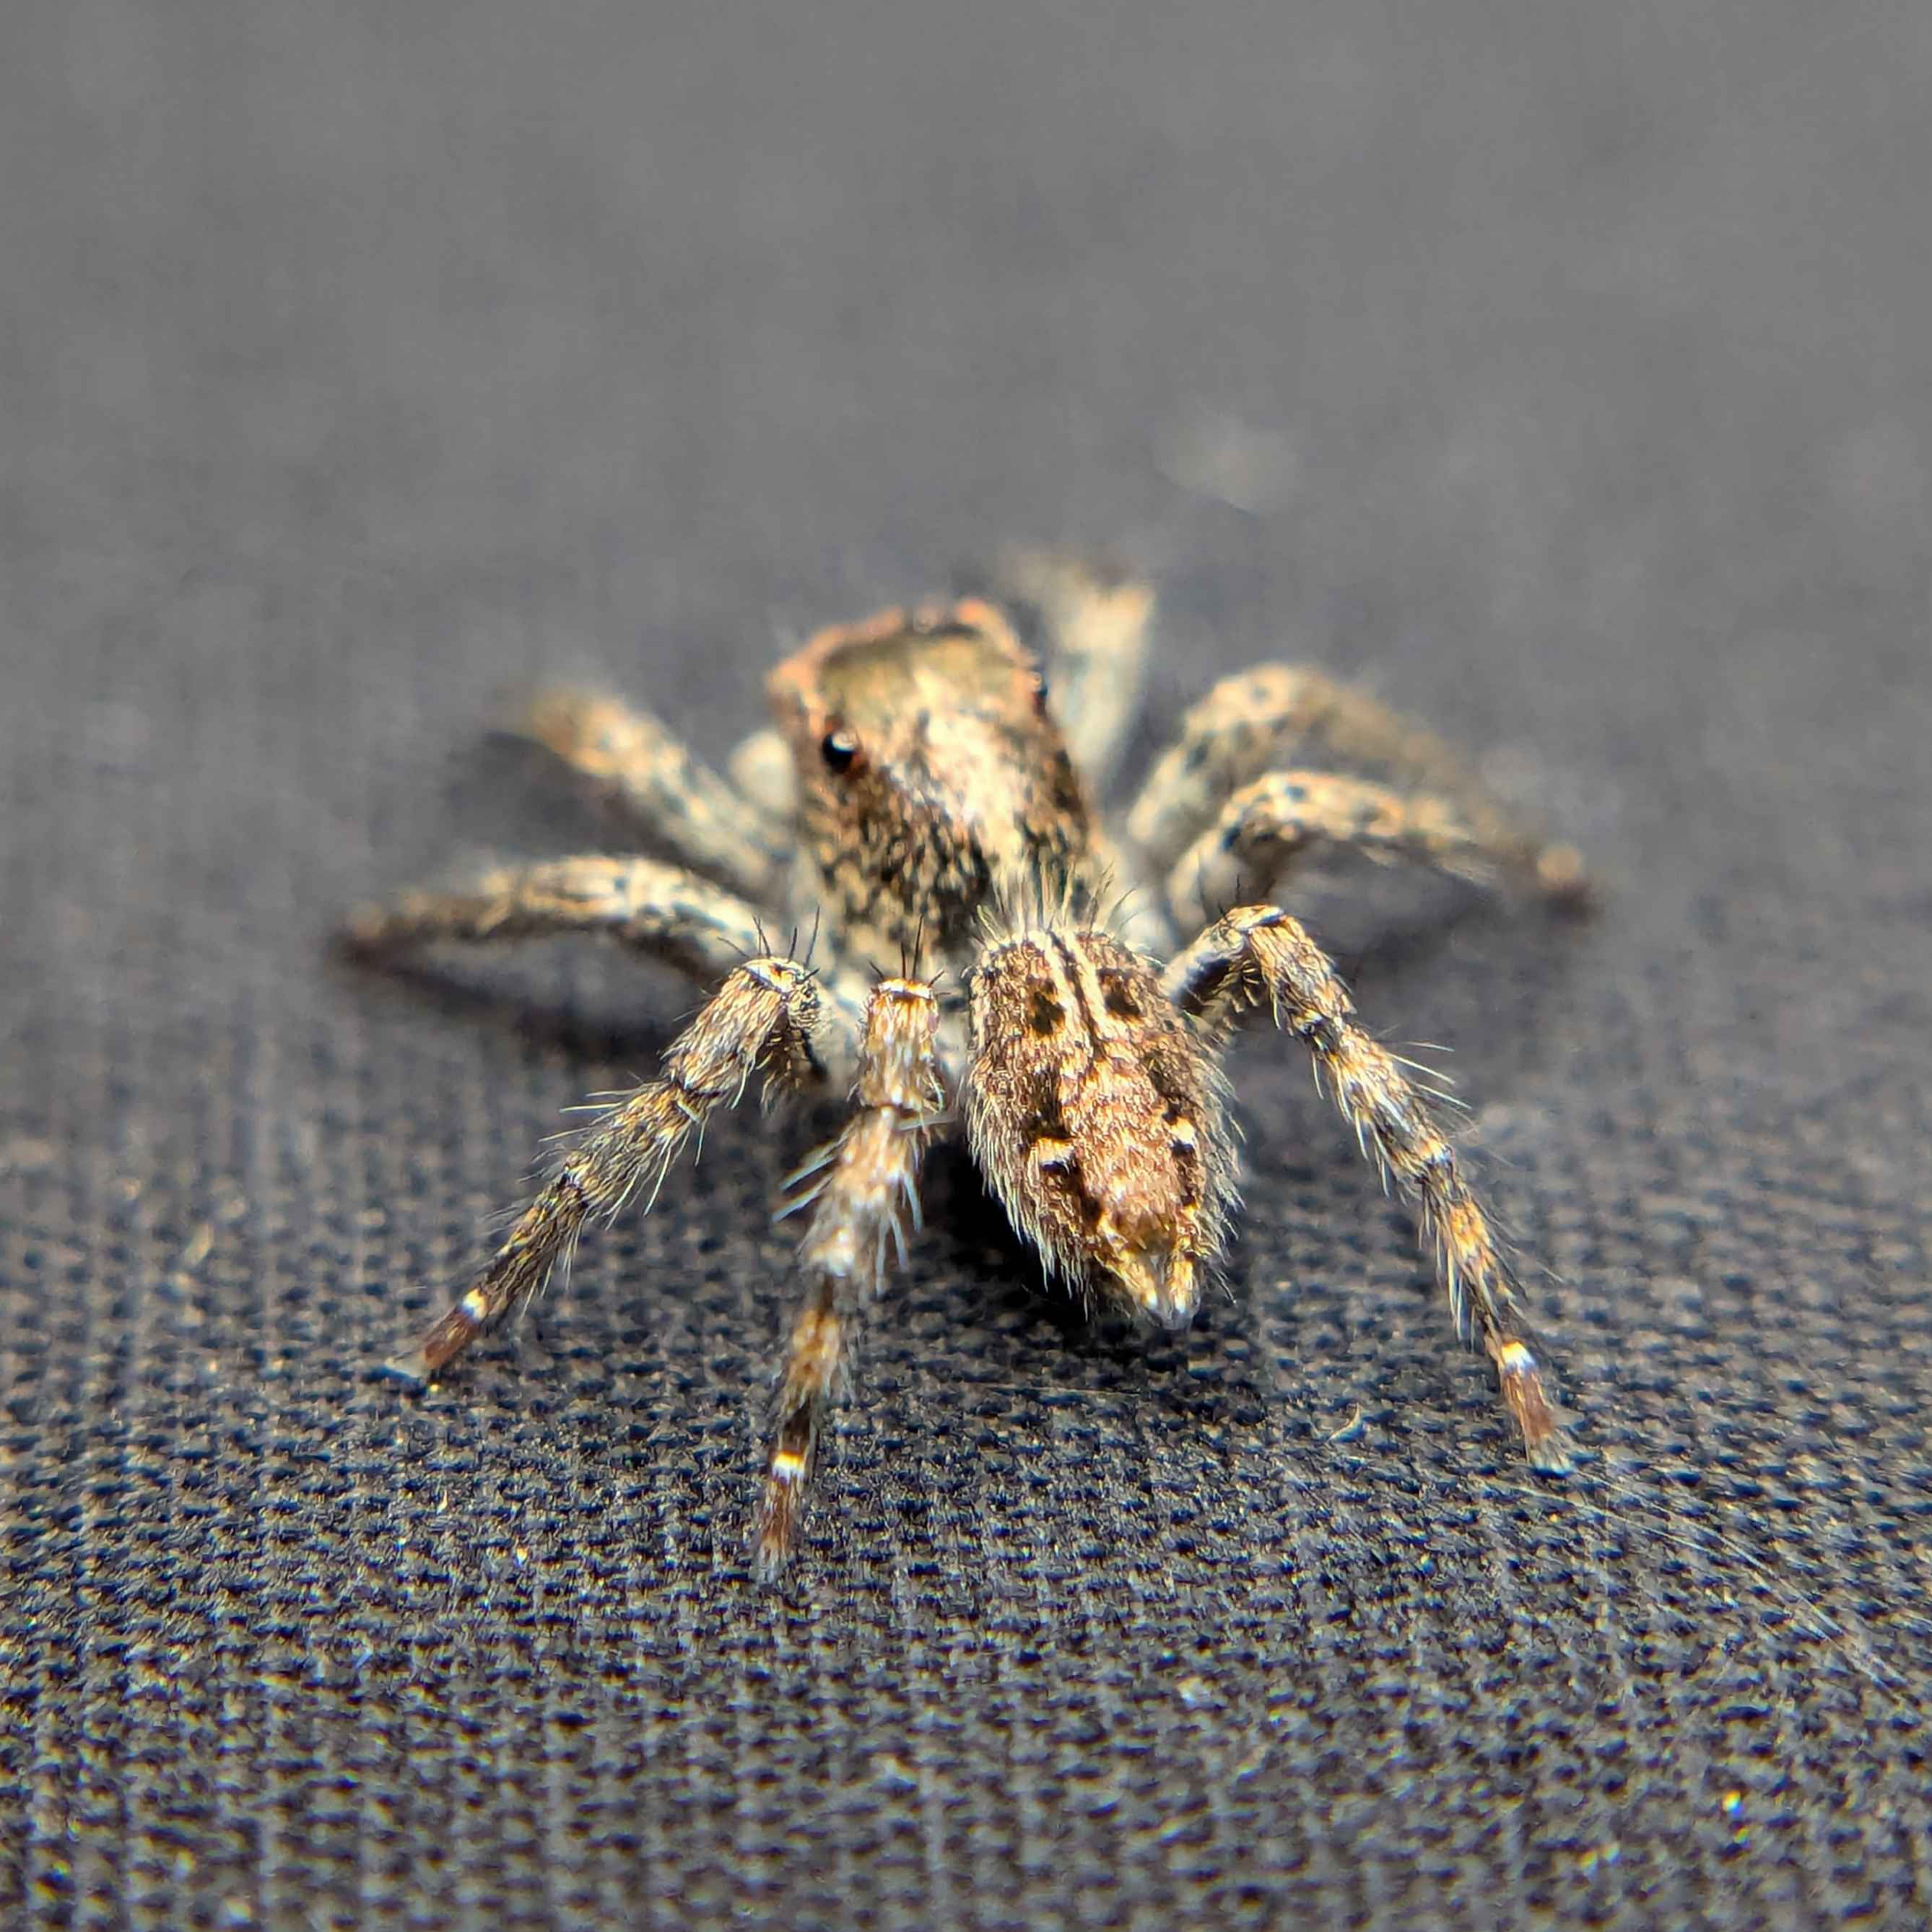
932 776
927 800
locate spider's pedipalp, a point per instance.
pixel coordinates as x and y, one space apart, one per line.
762 1019
1097 1115
1259 955
860 1191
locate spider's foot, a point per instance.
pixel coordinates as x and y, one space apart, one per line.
1546 1444
778 1515
408 1368
1561 877
442 1341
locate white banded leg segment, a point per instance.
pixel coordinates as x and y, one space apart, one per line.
1258 954
761 1020
861 1193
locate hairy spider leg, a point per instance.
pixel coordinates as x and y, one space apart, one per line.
762 1019
1096 626
1250 723
1266 826
861 1193
671 914
1259 953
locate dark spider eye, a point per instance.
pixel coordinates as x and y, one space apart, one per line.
1040 687
839 748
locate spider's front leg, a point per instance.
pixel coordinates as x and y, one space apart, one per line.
1258 954
763 1018
860 1191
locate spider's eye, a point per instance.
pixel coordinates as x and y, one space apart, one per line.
1040 687
839 748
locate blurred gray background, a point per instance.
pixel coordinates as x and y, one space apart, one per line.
1562 369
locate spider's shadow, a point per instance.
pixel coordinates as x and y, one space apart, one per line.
579 1027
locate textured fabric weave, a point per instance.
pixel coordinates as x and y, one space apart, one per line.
1562 371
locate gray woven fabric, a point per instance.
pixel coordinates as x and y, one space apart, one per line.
1563 369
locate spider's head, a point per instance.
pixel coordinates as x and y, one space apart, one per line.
932 776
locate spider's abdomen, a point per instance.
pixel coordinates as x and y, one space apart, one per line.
1097 1117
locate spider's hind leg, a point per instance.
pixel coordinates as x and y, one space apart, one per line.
1259 955
860 1192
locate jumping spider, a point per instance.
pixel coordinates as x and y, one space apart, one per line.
925 801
